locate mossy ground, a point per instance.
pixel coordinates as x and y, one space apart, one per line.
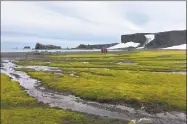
19 108
115 77
144 61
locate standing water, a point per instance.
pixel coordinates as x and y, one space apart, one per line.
71 102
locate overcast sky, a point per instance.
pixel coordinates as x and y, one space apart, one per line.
70 23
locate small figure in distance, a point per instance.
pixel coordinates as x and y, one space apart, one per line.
104 50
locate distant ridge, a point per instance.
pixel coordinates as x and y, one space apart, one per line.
96 46
157 40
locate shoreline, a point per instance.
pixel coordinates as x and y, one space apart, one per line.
40 54
34 55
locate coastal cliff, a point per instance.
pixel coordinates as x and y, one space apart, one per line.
157 40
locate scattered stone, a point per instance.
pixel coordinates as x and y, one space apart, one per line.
181 72
11 69
16 75
129 63
58 73
71 74
42 88
142 108
85 62
144 121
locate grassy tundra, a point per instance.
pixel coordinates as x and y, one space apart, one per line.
19 108
136 78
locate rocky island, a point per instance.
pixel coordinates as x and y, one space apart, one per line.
27 47
42 46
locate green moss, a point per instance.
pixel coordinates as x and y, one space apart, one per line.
24 69
18 108
103 79
145 61
131 122
101 84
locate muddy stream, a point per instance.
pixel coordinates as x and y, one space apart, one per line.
71 102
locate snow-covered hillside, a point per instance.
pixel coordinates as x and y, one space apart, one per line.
158 39
182 46
125 45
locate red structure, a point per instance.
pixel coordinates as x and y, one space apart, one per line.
104 50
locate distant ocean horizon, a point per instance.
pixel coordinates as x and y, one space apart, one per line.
52 50
19 47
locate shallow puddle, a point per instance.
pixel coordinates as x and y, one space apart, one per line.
70 102
180 72
173 72
128 63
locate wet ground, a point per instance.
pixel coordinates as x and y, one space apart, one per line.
70 102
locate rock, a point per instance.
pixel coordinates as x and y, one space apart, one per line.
161 39
58 73
96 46
71 74
144 121
142 108
42 88
119 63
41 46
85 62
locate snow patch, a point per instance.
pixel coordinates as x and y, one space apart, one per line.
144 121
182 47
140 48
40 68
125 45
150 37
